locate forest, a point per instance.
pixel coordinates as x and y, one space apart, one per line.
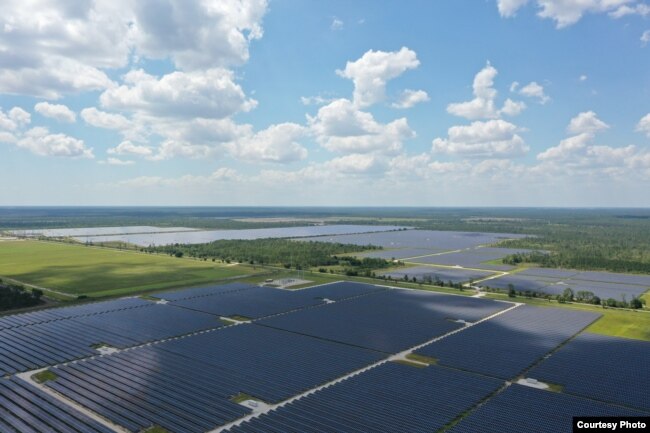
15 296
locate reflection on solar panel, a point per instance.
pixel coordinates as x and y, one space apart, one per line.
389 321
24 408
67 312
524 409
185 385
472 258
252 303
604 368
339 290
203 291
442 274
508 344
389 398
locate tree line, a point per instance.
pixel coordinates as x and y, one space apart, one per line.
14 296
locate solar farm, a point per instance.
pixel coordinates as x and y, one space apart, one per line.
337 357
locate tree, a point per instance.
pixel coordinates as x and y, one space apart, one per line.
511 291
568 294
636 303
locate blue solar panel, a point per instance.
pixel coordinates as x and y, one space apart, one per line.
51 314
389 398
337 291
203 291
389 321
443 274
24 408
185 385
251 303
604 368
523 409
506 345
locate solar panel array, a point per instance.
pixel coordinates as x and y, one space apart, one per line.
203 291
443 274
524 409
389 321
185 385
51 314
389 398
604 368
554 281
472 258
509 343
26 409
255 302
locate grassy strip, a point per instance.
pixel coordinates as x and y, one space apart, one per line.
422 358
44 376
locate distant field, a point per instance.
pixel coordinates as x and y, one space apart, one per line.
93 271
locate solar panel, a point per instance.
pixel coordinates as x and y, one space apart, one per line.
443 274
506 345
524 409
25 408
609 369
389 398
389 321
203 291
185 385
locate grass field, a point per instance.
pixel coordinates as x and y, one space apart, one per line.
81 270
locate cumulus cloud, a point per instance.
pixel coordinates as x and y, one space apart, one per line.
373 70
512 108
567 147
409 98
568 12
49 48
102 119
645 37
341 127
117 161
210 94
197 34
14 119
41 142
59 112
128 148
277 143
221 175
482 106
586 122
490 139
337 24
534 90
644 125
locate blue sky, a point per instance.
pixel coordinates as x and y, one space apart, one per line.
452 102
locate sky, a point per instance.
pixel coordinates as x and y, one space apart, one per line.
310 103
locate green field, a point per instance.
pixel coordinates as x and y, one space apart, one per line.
92 271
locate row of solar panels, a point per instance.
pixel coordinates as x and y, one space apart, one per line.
54 336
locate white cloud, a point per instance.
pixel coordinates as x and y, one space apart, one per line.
337 24
340 127
583 78
644 125
492 139
645 37
373 70
40 142
197 34
117 161
512 108
637 9
128 148
102 119
568 12
316 100
567 147
409 98
277 143
209 94
56 111
587 122
14 119
221 175
508 8
482 106
355 164
534 90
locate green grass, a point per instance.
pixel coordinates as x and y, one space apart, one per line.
554 387
92 271
409 363
241 397
44 376
614 322
155 429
